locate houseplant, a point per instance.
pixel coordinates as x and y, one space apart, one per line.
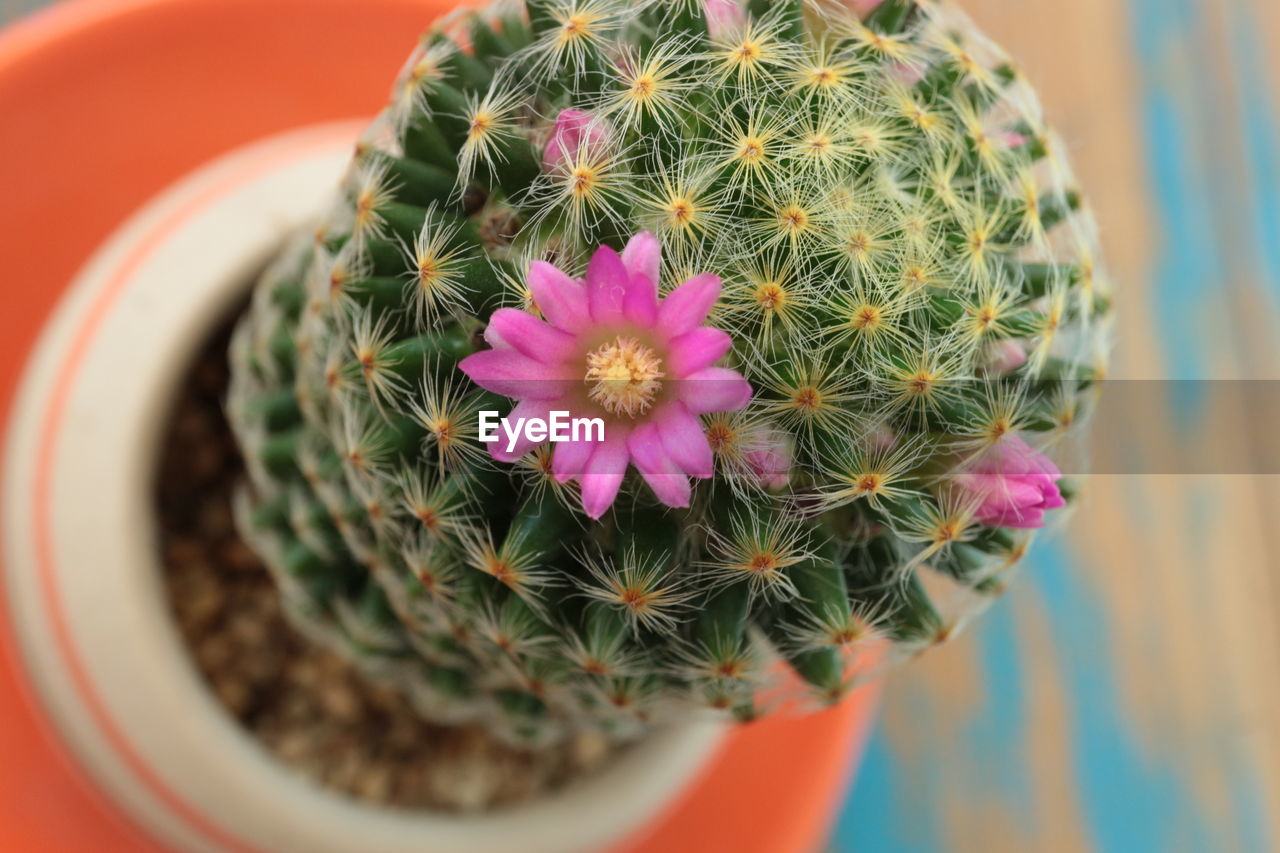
1077 223
815 450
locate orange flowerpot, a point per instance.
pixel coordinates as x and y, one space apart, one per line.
103 104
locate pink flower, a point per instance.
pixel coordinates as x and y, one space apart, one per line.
724 17
906 74
1012 139
610 349
881 437
1004 356
1013 483
576 133
768 457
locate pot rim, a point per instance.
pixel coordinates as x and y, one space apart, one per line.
79 491
780 778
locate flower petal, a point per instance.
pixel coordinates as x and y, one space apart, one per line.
602 476
692 351
662 474
724 18
1053 498
1017 492
525 409
607 284
530 336
1018 519
643 256
714 389
687 306
561 300
494 338
684 439
511 374
570 459
640 305
576 134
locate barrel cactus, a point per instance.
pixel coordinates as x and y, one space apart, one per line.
818 273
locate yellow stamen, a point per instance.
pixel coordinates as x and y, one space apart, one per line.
626 374
867 318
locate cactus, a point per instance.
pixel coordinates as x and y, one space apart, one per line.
887 286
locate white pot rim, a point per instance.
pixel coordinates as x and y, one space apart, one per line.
82 576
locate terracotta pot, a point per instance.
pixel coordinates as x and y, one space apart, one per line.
134 105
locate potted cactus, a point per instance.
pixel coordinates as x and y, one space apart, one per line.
669 361
760 256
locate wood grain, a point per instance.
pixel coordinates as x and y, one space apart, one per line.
1129 684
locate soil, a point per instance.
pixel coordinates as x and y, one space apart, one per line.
305 704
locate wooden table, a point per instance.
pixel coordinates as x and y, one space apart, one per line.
1125 695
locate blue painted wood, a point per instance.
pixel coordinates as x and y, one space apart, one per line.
1212 155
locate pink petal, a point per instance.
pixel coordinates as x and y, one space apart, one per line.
1044 465
688 305
510 374
1017 492
570 458
662 474
602 476
640 305
530 336
684 439
643 256
692 351
714 389
1052 499
724 17
576 133
561 300
997 493
525 409
1024 519
494 339
607 284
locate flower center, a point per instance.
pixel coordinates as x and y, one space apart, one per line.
681 210
481 123
625 374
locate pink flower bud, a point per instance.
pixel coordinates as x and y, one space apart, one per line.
907 75
575 132
1013 484
1004 356
769 458
881 437
1012 139
724 17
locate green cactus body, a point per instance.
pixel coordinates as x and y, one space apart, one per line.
888 213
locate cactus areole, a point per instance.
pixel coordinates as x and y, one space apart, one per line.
661 356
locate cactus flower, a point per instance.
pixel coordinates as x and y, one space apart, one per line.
1013 484
1004 356
769 459
610 349
724 17
574 131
